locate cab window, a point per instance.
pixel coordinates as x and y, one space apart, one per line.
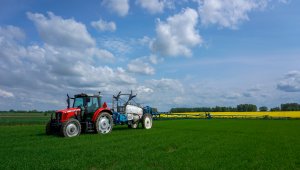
93 104
78 102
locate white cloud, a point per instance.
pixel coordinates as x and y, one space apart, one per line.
117 45
102 54
102 25
290 83
101 76
66 37
153 6
35 54
167 84
10 50
121 7
253 92
227 13
178 34
56 31
232 96
145 40
52 70
140 66
154 59
82 70
144 65
179 100
144 90
161 93
11 33
5 94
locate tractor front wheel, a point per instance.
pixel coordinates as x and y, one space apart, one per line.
147 121
70 128
104 123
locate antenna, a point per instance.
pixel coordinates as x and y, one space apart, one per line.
68 100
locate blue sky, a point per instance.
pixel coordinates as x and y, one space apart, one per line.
189 53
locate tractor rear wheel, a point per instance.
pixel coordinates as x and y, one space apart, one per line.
104 123
49 130
70 128
147 121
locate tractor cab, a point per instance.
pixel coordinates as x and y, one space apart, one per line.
88 104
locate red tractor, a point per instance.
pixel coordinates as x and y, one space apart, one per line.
86 114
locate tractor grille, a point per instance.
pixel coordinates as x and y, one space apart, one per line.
58 116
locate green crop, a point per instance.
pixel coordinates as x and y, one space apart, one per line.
170 144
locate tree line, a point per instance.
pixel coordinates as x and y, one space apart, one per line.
239 108
27 111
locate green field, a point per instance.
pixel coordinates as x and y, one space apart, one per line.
20 118
170 144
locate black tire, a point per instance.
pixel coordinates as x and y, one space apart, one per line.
104 123
70 128
49 130
147 121
134 125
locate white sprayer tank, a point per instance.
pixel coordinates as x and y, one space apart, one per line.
133 112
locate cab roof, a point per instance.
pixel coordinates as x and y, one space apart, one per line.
86 95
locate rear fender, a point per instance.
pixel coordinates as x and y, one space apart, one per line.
98 112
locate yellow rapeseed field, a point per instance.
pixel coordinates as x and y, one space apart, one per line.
277 114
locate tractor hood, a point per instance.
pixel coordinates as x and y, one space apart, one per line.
68 110
65 114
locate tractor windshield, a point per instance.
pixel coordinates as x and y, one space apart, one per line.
78 102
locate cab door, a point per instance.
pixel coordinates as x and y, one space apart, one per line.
92 105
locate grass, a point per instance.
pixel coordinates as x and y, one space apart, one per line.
173 144
20 118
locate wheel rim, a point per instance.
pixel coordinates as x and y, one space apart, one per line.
148 123
104 125
72 130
